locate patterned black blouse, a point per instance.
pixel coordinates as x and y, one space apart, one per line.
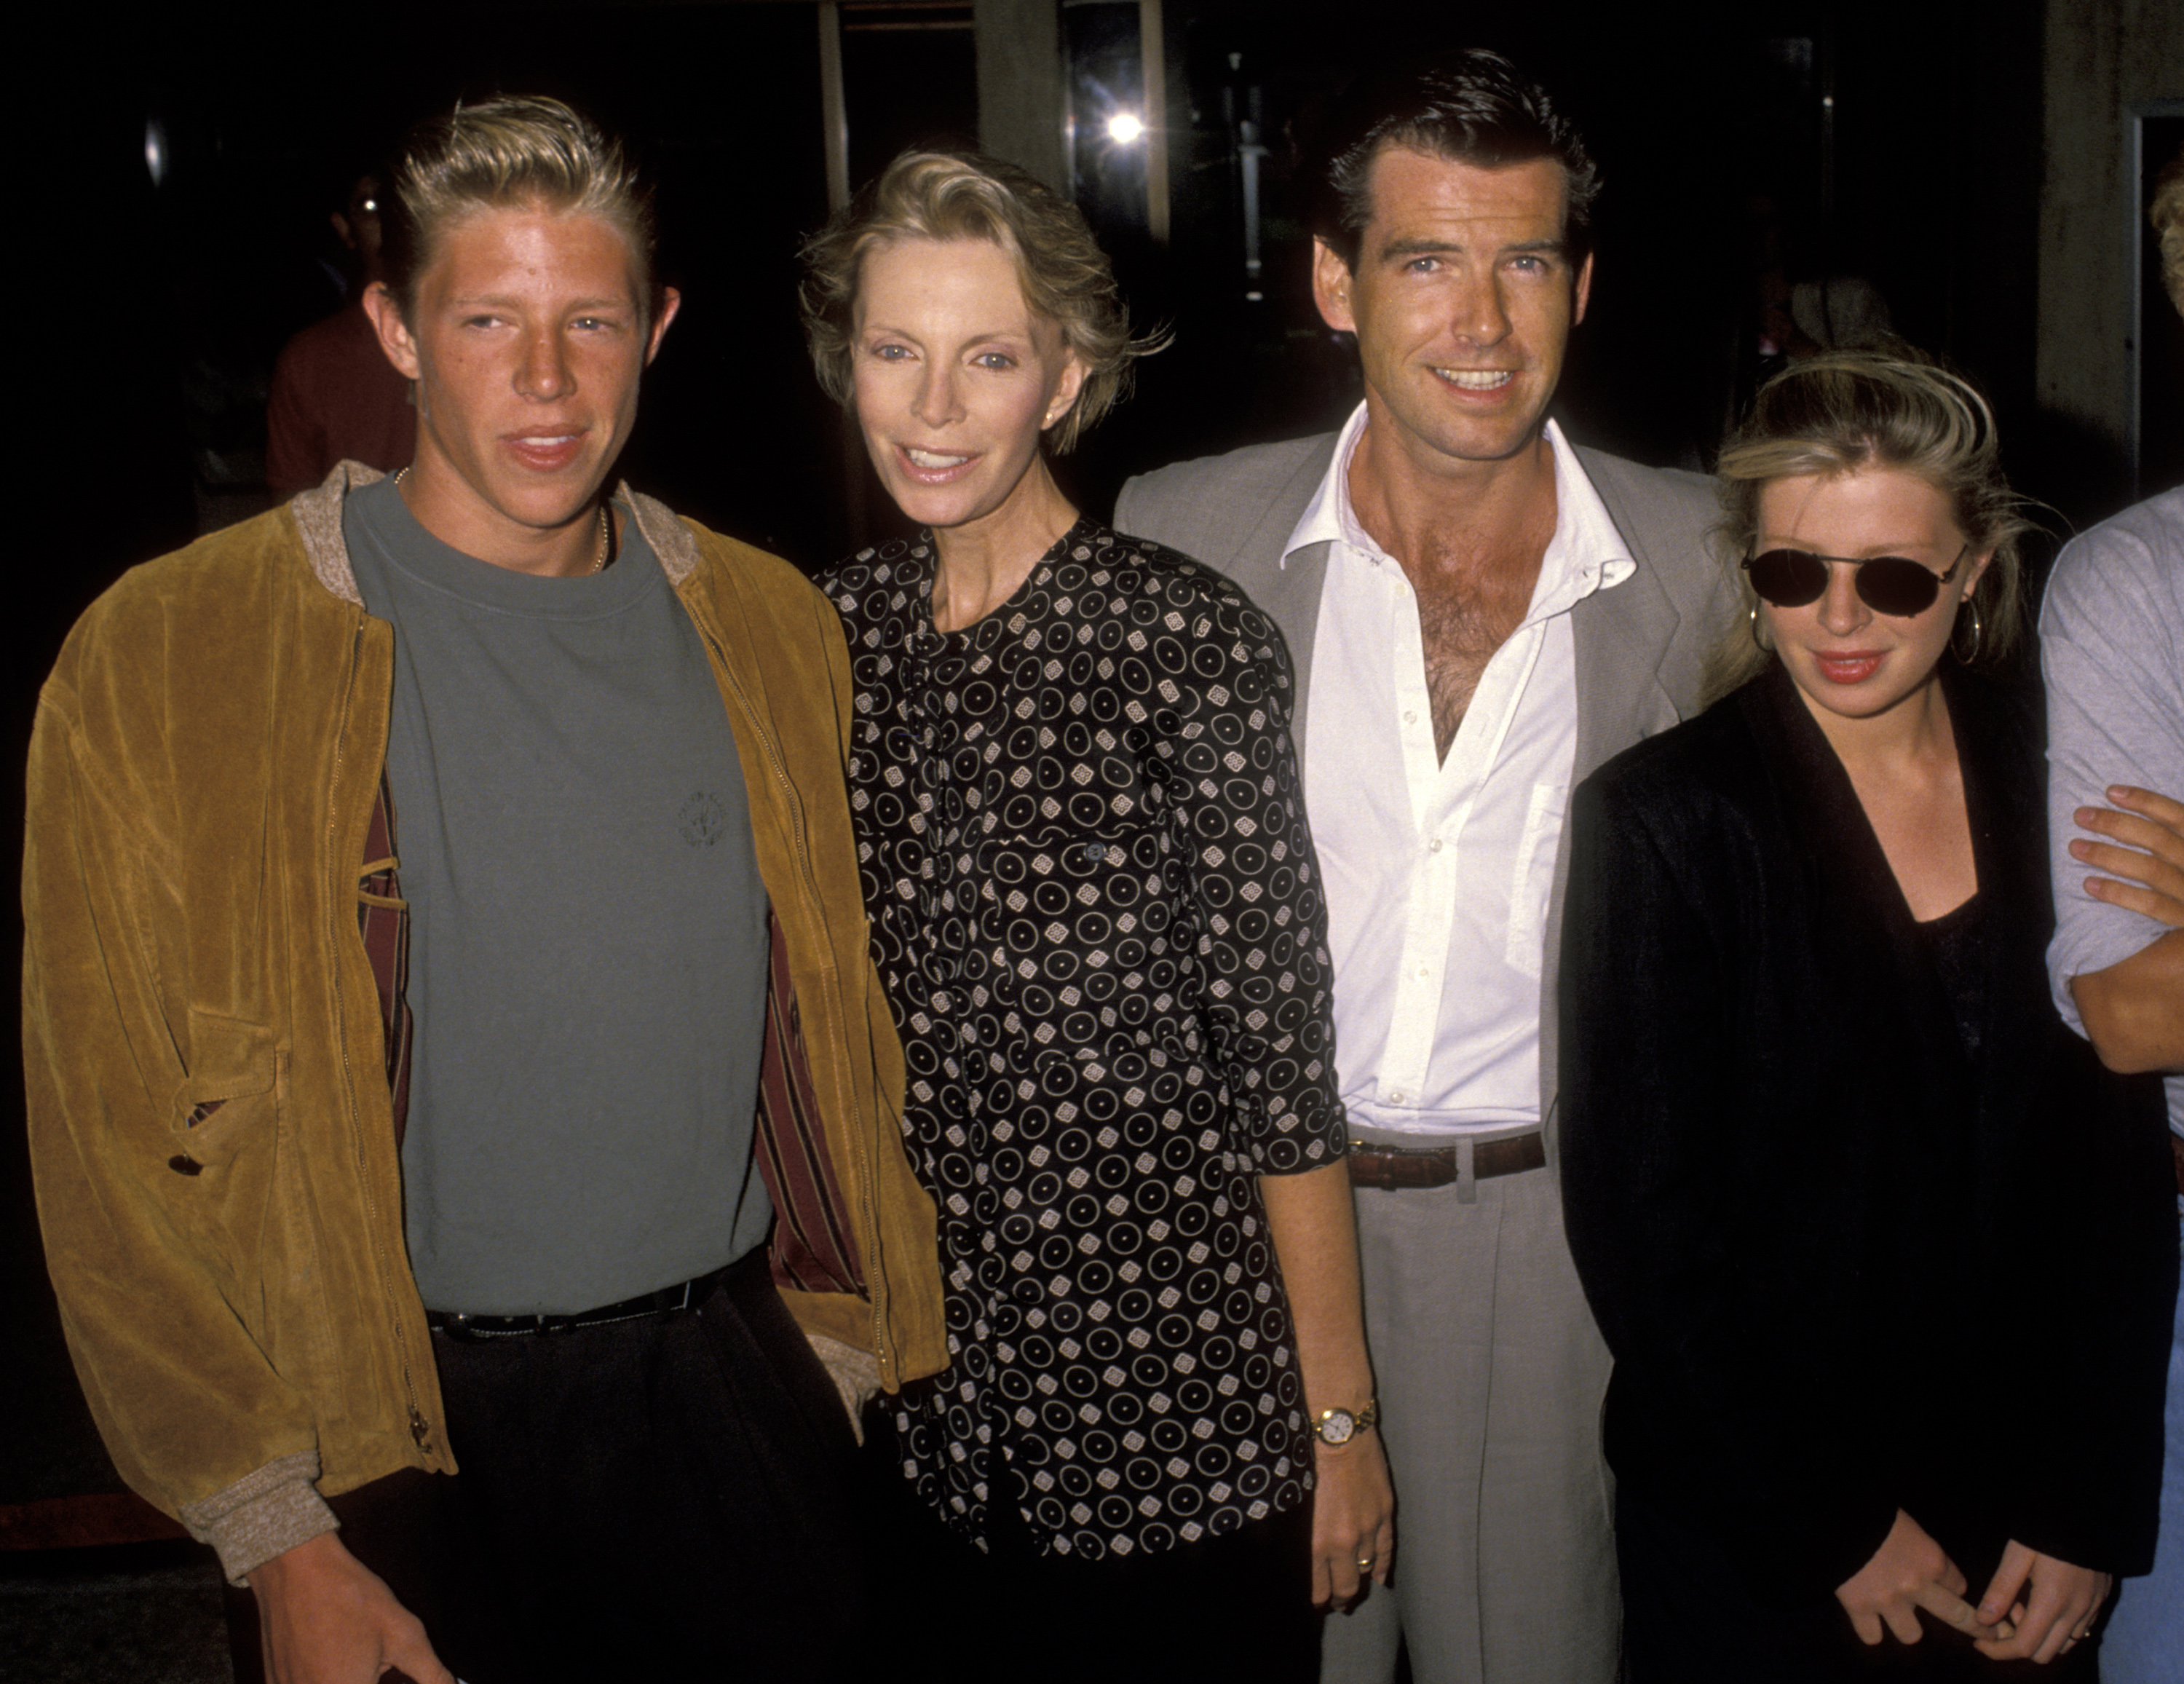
1097 914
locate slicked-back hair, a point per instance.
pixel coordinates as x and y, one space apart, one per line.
1847 411
1473 107
515 152
967 196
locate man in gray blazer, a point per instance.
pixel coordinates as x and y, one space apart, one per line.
1479 615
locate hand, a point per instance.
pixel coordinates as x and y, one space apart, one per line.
328 1619
1353 1520
2057 1612
2150 860
1909 1571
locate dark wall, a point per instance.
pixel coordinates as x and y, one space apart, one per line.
1720 161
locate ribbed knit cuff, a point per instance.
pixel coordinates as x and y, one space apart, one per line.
262 1515
855 1373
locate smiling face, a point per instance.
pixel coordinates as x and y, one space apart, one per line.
526 341
953 379
1850 662
1462 303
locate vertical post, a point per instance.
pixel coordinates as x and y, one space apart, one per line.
833 110
1250 152
834 118
1152 49
1020 93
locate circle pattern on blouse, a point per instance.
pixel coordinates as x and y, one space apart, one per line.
1098 920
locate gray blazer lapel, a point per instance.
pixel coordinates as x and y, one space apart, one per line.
1291 594
1622 635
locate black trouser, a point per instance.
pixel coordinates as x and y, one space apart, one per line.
1238 1607
666 1498
1690 1617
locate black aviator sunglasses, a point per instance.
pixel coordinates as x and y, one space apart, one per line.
1887 584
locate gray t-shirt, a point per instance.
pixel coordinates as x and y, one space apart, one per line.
588 943
2112 645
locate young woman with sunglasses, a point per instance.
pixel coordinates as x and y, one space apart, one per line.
1882 1253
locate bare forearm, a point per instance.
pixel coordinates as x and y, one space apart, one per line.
2134 1010
1314 1228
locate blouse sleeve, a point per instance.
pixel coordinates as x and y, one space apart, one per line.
1253 883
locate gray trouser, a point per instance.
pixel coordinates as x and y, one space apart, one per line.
1490 1375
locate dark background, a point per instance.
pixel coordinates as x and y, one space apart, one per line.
1898 142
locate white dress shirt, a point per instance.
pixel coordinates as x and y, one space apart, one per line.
1438 872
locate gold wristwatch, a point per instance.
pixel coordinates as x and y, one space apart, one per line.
1339 1426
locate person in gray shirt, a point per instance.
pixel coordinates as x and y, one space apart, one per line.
2112 649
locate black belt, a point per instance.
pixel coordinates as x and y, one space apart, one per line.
1393 1168
461 1324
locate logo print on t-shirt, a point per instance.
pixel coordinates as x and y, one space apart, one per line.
704 821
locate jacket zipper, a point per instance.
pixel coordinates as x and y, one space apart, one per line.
868 1216
420 1429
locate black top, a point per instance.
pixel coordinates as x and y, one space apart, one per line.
1096 913
1843 1267
1960 947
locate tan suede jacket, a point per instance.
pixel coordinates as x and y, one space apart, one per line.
217 1172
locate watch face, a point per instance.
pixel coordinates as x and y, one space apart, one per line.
1337 1425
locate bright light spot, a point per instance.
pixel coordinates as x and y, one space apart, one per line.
155 152
1125 126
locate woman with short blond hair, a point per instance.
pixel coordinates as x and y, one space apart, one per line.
1882 1253
1097 914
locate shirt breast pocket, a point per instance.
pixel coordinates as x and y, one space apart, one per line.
1532 878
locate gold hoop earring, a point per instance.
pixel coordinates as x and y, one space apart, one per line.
1751 619
1966 656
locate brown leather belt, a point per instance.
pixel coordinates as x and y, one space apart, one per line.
1393 1169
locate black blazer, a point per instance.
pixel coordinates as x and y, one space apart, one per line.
1841 1269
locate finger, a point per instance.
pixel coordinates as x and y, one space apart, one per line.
2163 809
2008 1580
1867 1624
2062 1603
1903 1618
1383 1553
410 1651
1950 1609
2016 1635
2060 1636
2136 830
2119 859
2152 903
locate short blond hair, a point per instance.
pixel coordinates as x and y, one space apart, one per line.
966 196
513 151
1848 410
